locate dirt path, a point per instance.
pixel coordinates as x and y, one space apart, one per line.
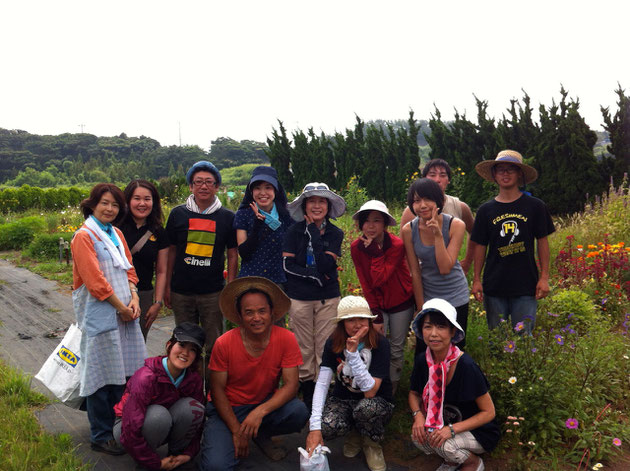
34 307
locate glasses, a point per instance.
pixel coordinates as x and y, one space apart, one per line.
199 183
314 187
508 170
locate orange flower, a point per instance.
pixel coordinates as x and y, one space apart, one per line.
580 246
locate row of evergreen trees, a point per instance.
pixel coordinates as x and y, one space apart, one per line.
382 157
559 144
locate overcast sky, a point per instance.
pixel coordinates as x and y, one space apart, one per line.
232 68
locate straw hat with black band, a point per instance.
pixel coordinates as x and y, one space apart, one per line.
484 169
234 289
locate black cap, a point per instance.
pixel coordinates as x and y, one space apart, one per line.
189 332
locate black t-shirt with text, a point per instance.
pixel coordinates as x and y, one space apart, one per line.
509 231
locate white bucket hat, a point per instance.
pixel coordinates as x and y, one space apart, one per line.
353 306
336 204
446 308
375 205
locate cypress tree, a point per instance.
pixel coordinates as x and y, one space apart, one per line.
618 128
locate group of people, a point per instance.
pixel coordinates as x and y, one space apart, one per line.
255 372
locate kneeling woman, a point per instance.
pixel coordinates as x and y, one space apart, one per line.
361 402
449 399
163 403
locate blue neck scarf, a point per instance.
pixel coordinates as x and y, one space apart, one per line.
107 229
177 381
272 219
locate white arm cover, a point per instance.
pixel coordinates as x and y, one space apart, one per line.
362 377
319 397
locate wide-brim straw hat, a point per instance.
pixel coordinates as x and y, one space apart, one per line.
446 308
375 205
336 204
231 292
353 306
484 169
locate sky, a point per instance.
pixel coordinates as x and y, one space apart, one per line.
199 70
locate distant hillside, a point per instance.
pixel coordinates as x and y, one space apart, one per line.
83 158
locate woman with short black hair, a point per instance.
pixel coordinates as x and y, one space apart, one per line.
453 413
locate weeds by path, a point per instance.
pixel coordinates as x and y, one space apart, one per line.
23 445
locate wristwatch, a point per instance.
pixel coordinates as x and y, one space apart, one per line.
452 430
161 303
134 290
415 412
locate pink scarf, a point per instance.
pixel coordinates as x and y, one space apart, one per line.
435 389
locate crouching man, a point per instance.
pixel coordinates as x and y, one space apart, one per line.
245 367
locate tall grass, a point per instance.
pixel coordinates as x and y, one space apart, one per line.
23 445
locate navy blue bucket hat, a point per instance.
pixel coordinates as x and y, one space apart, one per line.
264 173
203 166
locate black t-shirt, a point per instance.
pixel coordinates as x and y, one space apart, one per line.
201 241
145 259
379 368
509 231
467 384
305 288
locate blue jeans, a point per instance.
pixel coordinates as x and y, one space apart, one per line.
217 451
100 410
517 309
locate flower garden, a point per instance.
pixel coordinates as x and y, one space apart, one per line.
561 395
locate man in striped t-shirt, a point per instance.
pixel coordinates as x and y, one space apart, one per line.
200 231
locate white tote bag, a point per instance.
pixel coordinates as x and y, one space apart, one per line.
61 371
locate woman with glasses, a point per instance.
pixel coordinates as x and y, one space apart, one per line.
261 221
433 239
310 251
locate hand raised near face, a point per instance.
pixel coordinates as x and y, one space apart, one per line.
366 240
433 223
352 343
257 213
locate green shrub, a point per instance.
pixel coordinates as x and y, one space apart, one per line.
19 234
46 246
568 307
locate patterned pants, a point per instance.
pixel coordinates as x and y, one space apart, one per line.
454 450
369 416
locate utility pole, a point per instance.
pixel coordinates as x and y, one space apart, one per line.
81 126
179 124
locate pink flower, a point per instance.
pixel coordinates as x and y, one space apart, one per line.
572 423
617 441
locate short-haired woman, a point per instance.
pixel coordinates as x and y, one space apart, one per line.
433 239
453 413
105 300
